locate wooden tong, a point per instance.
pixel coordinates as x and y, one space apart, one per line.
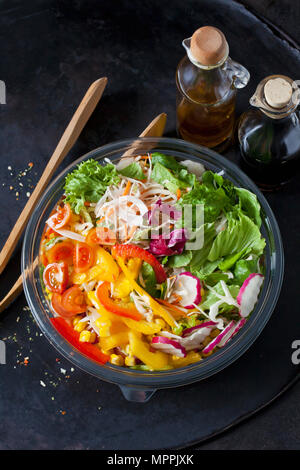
71 134
68 139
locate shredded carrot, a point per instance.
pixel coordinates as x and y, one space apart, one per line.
87 204
172 307
178 193
127 188
101 220
126 232
177 297
112 210
131 232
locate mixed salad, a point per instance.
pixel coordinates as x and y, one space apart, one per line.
151 263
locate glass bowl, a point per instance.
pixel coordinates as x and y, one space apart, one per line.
140 385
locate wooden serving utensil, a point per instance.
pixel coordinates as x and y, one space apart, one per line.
154 129
68 139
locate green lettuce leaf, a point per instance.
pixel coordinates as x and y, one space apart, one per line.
181 180
213 200
241 234
214 278
88 182
149 279
179 261
200 256
230 260
244 268
134 171
212 298
249 204
214 180
182 324
167 161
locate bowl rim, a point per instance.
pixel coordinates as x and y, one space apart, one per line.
152 380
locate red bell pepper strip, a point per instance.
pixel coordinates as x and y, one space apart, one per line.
133 251
122 309
90 350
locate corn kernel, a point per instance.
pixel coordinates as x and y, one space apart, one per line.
93 337
206 341
117 360
80 326
130 361
76 320
175 358
85 336
215 333
160 322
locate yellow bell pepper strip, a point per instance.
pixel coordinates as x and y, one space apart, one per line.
120 323
154 360
142 326
190 358
134 251
156 308
119 339
119 308
94 301
109 270
106 269
122 287
107 321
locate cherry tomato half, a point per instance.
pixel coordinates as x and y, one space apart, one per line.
56 302
73 300
83 257
70 303
56 277
62 251
61 217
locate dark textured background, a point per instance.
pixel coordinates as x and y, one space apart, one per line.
50 52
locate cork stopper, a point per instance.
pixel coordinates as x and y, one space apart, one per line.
209 45
278 92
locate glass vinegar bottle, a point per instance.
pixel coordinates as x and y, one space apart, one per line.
269 133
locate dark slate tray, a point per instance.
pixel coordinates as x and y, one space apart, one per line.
50 53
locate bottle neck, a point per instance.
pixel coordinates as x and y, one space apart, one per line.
280 119
202 85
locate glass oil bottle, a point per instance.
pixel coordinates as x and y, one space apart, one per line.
207 81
